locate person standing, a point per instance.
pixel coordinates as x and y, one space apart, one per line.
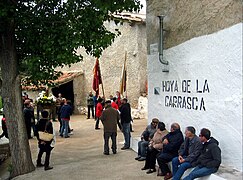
209 160
66 112
28 117
188 153
44 124
125 113
99 109
109 119
95 103
90 104
114 104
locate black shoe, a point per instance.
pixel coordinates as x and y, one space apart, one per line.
137 158
48 168
114 152
151 171
61 135
67 137
105 153
124 148
142 159
144 168
97 128
39 165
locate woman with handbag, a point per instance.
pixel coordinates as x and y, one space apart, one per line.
44 134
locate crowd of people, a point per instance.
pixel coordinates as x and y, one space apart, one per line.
157 144
199 152
98 106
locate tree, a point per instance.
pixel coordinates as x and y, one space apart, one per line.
36 37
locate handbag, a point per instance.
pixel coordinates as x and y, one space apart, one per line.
44 135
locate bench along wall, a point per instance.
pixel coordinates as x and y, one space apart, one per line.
203 88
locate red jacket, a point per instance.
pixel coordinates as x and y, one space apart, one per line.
114 105
99 109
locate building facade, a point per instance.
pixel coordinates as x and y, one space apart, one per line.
202 84
131 41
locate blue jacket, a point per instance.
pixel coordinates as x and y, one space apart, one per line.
66 111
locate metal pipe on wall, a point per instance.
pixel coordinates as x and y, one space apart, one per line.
161 38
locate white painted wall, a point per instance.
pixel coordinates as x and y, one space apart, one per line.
216 58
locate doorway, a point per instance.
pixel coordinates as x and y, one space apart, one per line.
66 90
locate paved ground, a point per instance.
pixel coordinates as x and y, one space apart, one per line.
81 156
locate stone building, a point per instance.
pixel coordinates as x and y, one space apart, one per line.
133 41
202 84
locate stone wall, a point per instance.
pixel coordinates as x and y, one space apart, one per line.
133 41
186 19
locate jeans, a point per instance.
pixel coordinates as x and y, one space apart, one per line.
107 136
142 148
65 126
179 168
127 134
200 172
91 108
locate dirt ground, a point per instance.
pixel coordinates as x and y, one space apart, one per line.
81 156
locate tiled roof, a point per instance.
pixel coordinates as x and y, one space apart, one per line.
64 78
130 17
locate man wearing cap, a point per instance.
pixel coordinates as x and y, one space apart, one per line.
146 136
109 119
188 153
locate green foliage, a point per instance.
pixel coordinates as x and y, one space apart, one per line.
49 32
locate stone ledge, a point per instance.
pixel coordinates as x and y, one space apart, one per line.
4 149
134 146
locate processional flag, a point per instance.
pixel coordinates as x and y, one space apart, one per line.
123 82
97 77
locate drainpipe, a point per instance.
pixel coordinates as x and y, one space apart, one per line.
161 18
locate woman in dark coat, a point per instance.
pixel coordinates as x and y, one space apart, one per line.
44 124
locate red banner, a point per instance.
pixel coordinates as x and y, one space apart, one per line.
97 77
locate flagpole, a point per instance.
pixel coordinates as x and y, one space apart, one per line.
102 84
126 70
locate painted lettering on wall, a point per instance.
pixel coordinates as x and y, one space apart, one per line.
186 101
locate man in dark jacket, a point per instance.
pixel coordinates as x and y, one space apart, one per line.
209 160
171 145
66 112
126 118
90 104
28 117
188 153
44 124
109 119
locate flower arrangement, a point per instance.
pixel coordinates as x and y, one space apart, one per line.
44 99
